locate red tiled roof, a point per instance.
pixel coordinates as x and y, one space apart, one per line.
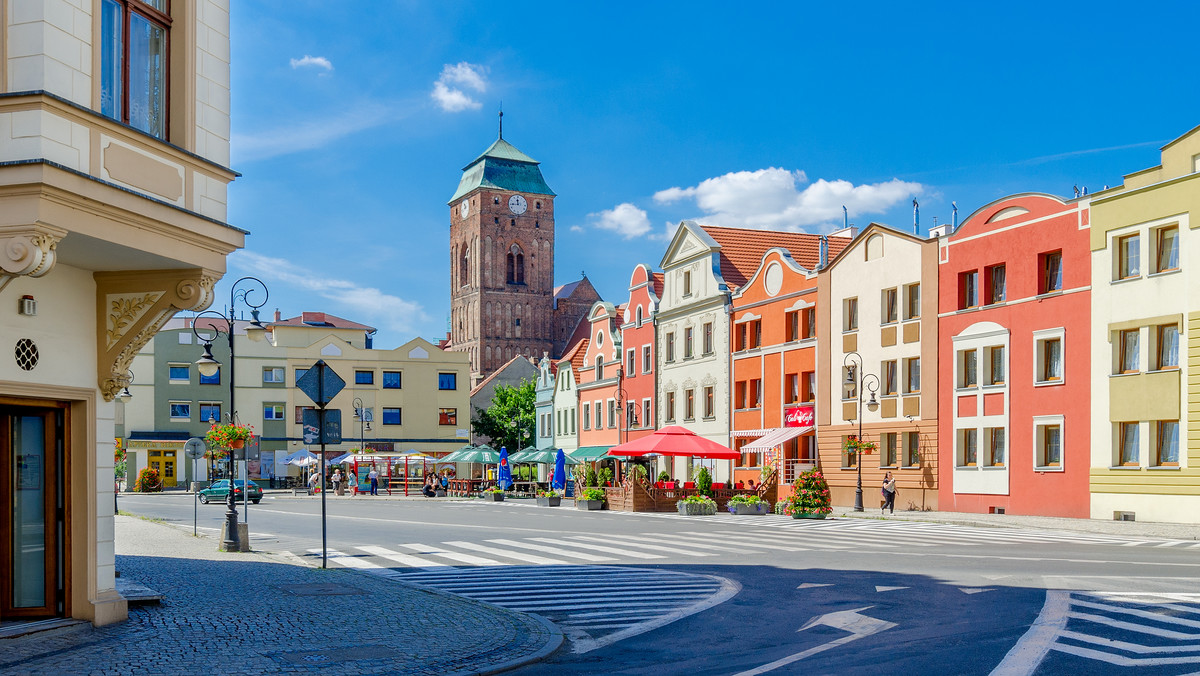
742 249
657 279
583 329
322 319
575 355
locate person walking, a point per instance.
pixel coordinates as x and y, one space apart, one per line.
373 477
337 482
889 493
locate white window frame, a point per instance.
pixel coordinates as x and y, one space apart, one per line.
1040 423
179 381
1039 338
647 358
647 411
280 408
179 418
272 369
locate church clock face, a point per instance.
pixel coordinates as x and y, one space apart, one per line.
464 209
517 204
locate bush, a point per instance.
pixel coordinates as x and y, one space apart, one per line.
605 476
591 477
742 499
664 476
549 494
493 489
810 495
148 481
593 494
704 481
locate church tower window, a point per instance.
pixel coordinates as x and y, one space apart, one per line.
515 264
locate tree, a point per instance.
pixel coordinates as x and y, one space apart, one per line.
496 422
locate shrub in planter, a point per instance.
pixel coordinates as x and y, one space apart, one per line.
809 498
697 505
748 504
549 498
494 494
148 481
704 481
590 498
591 477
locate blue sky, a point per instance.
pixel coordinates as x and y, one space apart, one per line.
352 123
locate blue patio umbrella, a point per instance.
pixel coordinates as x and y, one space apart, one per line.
504 476
560 471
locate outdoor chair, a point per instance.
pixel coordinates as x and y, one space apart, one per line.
689 484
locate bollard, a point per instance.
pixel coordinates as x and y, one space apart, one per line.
243 536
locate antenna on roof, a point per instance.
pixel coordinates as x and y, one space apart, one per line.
955 215
916 217
502 119
845 217
1076 192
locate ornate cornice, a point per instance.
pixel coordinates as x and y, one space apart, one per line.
27 250
132 306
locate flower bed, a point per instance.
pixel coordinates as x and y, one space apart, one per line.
742 504
697 505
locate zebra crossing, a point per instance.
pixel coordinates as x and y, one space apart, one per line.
880 533
1123 629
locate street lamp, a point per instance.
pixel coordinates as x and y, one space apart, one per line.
245 290
864 380
364 423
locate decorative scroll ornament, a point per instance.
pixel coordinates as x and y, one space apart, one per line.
133 306
27 250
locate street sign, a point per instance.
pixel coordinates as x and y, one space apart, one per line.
194 448
312 426
311 383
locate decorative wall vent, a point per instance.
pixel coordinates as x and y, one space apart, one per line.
26 354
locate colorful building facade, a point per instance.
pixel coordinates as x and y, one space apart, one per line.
877 311
600 407
1145 367
1014 353
639 377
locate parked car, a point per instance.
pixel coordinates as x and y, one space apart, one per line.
219 490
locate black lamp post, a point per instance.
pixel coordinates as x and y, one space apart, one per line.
245 290
864 380
364 423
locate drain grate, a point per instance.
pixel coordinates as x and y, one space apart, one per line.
320 590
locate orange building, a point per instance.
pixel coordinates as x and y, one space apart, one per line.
599 373
774 337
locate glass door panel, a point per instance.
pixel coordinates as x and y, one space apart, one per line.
29 474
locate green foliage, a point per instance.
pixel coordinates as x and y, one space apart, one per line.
593 494
148 481
508 404
638 472
493 489
699 500
743 499
605 475
591 477
664 476
704 481
549 494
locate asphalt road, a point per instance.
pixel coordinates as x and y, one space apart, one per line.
756 595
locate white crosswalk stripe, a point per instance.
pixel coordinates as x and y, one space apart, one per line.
552 550
406 559
603 548
634 600
633 540
523 557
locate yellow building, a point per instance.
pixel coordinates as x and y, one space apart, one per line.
112 219
1146 341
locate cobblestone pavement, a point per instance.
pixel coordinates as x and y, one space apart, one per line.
290 619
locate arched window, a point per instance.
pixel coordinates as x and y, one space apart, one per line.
464 266
515 262
639 315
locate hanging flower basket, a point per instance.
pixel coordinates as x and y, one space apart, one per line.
860 446
229 435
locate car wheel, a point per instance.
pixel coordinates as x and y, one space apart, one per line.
203 499
256 501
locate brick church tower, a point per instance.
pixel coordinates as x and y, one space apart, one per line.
501 260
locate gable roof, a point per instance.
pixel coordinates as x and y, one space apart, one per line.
483 383
575 354
742 249
657 279
323 320
862 237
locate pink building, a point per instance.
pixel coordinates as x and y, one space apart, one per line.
638 379
1013 359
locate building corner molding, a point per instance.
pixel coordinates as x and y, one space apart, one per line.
132 306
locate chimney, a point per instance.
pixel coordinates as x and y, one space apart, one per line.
313 317
277 316
823 259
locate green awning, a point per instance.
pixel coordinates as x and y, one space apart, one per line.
543 457
589 453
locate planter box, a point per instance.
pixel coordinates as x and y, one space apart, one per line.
549 502
807 515
748 510
589 504
692 509
439 493
493 497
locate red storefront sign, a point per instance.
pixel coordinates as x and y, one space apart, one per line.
799 416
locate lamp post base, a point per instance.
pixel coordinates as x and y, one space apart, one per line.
858 503
230 542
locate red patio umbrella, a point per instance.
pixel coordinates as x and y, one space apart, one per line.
677 441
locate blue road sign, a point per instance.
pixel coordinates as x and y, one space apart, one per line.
312 426
320 383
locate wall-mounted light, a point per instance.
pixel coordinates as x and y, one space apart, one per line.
27 306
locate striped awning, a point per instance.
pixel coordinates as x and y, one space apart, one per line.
589 453
751 433
775 438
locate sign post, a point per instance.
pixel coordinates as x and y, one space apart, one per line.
194 449
321 384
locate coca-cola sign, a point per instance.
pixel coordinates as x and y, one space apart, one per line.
799 416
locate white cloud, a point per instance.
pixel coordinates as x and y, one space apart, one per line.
577 228
361 303
448 89
312 62
773 198
306 135
624 219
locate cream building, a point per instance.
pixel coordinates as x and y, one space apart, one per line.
878 298
1146 341
566 398
112 218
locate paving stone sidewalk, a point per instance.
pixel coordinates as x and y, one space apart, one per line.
289 619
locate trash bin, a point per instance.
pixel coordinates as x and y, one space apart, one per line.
197 486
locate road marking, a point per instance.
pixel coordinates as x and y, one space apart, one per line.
683 542
853 621
814 585
748 541
975 590
507 553
551 550
406 559
345 559
630 541
601 548
880 588
447 554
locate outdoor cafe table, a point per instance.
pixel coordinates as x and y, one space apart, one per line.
465 487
